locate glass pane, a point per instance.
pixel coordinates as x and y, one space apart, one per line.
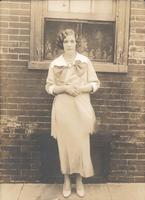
58 5
51 29
81 6
99 40
95 39
103 7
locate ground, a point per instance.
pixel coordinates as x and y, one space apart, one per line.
107 191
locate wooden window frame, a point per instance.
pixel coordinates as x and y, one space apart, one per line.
39 12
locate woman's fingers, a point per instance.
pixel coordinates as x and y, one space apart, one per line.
72 90
76 91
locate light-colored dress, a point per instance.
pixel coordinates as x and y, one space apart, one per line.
73 118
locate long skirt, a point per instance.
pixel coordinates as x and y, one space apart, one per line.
73 120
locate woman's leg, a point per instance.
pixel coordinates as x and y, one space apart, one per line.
80 186
66 186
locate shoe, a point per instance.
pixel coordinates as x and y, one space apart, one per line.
80 189
66 191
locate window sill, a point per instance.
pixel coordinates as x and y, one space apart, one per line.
99 67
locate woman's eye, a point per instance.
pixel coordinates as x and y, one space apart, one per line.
65 41
72 41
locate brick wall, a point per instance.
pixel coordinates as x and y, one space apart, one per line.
25 106
128 120
21 101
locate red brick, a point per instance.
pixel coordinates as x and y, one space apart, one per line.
24 57
140 18
9 31
19 38
25 32
140 43
138 24
24 44
19 25
25 6
14 63
11 5
3 37
9 18
19 12
3 24
140 30
137 12
19 50
4 11
9 56
25 19
9 43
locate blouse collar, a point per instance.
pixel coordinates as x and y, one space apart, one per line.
60 61
77 57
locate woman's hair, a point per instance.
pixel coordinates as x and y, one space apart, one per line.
62 35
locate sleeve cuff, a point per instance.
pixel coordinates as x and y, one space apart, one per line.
94 87
51 88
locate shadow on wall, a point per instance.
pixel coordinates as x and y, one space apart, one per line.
50 166
100 152
34 155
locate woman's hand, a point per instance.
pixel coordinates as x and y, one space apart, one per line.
72 90
87 88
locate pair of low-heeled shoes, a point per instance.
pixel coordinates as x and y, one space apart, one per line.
79 190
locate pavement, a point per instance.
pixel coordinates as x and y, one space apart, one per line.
107 191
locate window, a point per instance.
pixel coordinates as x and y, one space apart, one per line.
102 27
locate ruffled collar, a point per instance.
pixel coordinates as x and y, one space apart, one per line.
79 65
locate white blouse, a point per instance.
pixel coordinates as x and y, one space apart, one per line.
80 72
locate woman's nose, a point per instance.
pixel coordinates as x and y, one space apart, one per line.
69 43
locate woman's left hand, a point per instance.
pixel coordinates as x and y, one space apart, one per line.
85 88
72 90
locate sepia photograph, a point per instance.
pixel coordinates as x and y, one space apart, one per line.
72 99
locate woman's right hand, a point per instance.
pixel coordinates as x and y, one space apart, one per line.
72 90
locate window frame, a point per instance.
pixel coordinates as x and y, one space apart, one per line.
39 11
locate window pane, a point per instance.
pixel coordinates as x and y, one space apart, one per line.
95 39
81 6
100 8
58 5
99 40
103 7
51 29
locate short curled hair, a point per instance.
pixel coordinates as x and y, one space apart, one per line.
62 35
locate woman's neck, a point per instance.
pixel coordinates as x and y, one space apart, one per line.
69 57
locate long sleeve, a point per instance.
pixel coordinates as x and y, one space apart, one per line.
92 77
50 81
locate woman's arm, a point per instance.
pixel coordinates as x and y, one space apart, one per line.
92 78
52 88
86 88
68 89
55 90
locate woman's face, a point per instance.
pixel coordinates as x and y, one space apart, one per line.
69 44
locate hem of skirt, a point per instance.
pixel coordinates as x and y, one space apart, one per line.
83 175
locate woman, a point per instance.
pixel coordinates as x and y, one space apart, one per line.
71 78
